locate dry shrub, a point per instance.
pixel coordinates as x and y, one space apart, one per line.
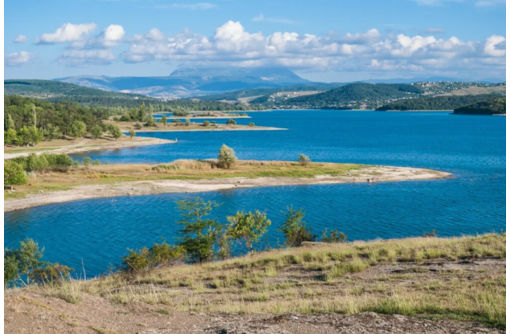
194 164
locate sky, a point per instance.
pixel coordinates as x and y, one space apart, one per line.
328 41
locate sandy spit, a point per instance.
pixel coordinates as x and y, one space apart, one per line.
212 129
372 174
78 148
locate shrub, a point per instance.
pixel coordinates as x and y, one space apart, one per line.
138 126
78 129
96 162
35 162
334 236
206 123
116 119
132 133
226 156
125 118
14 173
248 227
147 258
231 122
163 119
295 229
115 131
87 161
304 159
9 136
96 131
251 124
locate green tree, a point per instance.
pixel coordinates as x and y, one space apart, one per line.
115 131
87 161
231 122
14 173
205 123
150 118
96 131
36 162
9 123
303 159
142 113
78 129
132 133
227 156
247 227
251 124
163 119
34 115
9 136
147 258
34 135
295 229
199 232
138 126
52 132
333 236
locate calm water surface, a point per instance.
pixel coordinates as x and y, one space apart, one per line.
472 147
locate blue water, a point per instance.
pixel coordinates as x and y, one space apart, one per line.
471 147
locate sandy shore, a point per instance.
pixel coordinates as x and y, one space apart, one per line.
370 174
210 129
81 147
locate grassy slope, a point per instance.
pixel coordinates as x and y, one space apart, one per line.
183 170
421 277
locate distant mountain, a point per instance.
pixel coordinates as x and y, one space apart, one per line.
187 82
493 106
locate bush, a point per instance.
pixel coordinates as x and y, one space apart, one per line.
138 126
206 123
96 131
227 156
148 258
14 173
87 161
231 122
115 131
116 119
125 118
35 162
96 162
248 227
251 124
78 129
333 236
304 159
295 229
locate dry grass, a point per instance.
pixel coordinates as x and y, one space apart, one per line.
195 124
391 277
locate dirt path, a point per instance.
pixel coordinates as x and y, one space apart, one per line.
81 147
371 174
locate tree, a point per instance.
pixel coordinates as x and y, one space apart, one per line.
142 113
53 132
132 133
227 156
14 173
231 122
251 124
31 135
294 228
138 126
96 131
87 161
150 118
303 159
163 119
9 123
206 123
248 227
78 129
9 136
156 256
34 115
115 131
334 236
199 233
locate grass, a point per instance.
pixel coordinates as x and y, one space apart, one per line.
340 278
178 170
195 124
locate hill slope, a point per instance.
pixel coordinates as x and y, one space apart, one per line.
494 106
187 82
435 103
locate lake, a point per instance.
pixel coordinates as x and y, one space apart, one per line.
99 231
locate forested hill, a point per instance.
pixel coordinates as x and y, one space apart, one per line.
356 94
494 106
435 103
55 91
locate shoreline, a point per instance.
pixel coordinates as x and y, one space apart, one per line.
368 174
212 129
78 148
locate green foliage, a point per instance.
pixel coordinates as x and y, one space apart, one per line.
231 122
248 227
435 103
24 265
115 131
206 123
333 236
147 258
494 106
138 126
14 173
96 162
9 123
9 136
304 159
199 233
36 162
142 113
87 161
163 119
78 129
226 156
150 118
180 113
96 131
52 132
295 229
251 124
132 133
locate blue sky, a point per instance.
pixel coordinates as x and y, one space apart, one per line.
321 40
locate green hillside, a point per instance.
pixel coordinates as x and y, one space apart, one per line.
435 103
494 106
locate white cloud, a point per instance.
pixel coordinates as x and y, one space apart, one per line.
191 6
495 46
83 58
18 58
20 39
68 32
262 18
490 3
